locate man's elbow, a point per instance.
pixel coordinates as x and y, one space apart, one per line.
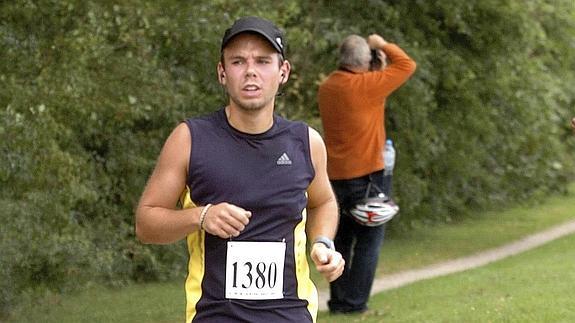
143 231
142 234
412 66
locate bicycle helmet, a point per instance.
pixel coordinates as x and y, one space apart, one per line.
374 211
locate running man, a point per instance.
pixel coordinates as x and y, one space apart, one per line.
254 188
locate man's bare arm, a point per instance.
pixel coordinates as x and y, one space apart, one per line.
323 217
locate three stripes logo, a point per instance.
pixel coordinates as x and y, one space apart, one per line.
284 160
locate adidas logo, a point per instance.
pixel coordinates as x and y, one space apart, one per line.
284 160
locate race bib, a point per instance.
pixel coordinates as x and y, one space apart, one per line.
254 270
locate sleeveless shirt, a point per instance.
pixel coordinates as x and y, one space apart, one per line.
267 174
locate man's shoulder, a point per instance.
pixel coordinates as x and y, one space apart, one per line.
336 78
285 123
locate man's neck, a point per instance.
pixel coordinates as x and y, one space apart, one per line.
250 121
356 70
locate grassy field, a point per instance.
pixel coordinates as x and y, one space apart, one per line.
431 244
536 286
153 303
524 288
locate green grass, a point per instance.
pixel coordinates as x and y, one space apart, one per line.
157 303
536 286
427 245
454 296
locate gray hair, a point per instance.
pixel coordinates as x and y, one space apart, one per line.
354 52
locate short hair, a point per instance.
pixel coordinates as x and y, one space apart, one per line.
354 52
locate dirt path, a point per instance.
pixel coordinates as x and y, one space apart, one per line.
453 266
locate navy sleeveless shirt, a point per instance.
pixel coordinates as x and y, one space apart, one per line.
267 174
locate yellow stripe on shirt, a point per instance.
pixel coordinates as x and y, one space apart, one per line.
196 263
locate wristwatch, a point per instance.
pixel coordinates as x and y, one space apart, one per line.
326 241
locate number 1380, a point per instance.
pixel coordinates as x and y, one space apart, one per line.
265 274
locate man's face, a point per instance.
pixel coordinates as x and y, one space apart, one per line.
252 72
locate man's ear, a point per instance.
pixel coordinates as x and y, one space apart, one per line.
221 74
285 72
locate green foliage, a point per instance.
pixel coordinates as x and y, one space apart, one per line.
45 245
91 89
483 120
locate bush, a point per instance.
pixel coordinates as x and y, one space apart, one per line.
91 89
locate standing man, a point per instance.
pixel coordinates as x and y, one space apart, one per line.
352 108
253 187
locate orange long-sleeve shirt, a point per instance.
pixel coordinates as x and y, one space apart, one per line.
352 110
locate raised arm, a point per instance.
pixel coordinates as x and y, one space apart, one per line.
394 74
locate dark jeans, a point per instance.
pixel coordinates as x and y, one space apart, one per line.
358 244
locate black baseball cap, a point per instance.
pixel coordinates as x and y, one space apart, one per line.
261 26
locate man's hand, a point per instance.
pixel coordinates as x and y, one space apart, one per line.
329 263
375 41
226 220
573 124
